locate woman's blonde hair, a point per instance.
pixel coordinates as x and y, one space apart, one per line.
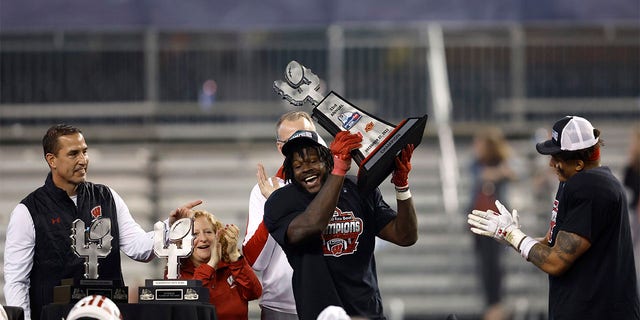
217 225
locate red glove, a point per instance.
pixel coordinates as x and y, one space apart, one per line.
341 148
400 176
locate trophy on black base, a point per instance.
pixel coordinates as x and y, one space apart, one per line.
381 140
173 289
92 246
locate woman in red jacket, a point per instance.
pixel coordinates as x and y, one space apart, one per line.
217 262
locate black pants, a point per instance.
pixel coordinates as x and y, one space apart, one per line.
489 267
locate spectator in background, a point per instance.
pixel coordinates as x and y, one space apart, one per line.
631 180
260 249
217 262
491 173
38 250
207 96
587 252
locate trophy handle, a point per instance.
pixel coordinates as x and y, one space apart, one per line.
77 236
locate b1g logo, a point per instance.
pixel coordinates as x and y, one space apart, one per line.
342 233
349 119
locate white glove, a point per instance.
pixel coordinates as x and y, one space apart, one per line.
502 226
514 213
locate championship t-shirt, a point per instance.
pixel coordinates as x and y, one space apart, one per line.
339 267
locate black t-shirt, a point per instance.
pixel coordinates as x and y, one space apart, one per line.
339 267
601 284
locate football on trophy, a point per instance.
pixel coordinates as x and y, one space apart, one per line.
294 74
180 229
99 228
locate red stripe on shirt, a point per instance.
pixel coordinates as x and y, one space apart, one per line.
251 250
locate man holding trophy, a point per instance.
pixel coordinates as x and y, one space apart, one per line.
40 247
326 221
327 228
381 140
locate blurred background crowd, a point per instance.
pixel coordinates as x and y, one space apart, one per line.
176 102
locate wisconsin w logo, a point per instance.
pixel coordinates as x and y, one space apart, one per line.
96 212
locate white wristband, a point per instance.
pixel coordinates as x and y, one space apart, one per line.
403 195
526 245
514 237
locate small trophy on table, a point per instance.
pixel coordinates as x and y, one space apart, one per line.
173 289
91 245
381 140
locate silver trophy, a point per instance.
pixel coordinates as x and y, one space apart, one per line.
91 244
381 140
180 244
96 244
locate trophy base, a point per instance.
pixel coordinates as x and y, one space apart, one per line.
162 291
71 292
381 162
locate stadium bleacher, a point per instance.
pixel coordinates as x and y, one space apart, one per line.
429 280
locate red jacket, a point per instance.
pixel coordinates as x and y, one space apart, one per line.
231 286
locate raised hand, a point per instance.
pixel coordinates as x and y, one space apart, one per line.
502 225
341 148
231 234
490 223
514 214
183 211
266 185
400 176
216 250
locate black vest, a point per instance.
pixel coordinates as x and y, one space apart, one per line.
53 212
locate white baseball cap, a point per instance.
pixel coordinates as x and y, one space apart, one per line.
570 133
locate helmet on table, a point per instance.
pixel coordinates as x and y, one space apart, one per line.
95 306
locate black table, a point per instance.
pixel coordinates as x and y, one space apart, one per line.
14 313
134 311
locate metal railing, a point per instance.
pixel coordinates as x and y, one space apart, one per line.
505 73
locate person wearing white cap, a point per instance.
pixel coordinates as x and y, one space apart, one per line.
587 250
